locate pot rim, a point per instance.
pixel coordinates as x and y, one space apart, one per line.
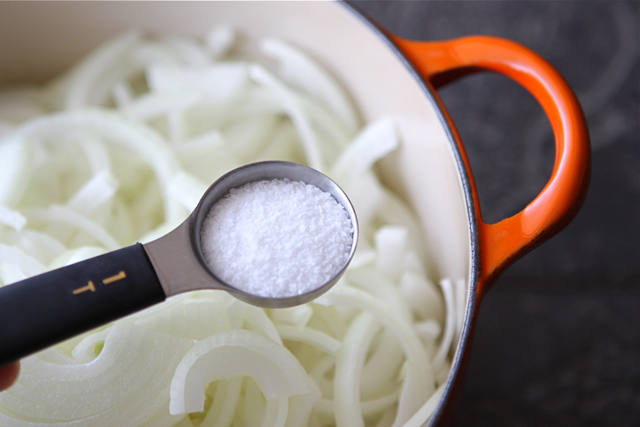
474 271
494 246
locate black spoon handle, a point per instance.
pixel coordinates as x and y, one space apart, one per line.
46 309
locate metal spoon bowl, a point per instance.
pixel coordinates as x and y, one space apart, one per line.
177 257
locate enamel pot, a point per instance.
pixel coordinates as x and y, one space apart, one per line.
387 76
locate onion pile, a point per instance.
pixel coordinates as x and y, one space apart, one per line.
119 149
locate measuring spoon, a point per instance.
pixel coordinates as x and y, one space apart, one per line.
43 310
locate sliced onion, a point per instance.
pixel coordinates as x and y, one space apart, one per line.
426 411
219 40
188 49
372 143
10 273
124 384
94 193
12 218
187 189
224 403
391 248
183 116
422 296
415 352
295 316
310 336
368 407
230 354
90 347
450 323
300 406
380 373
348 371
15 169
19 259
86 74
295 112
69 217
297 69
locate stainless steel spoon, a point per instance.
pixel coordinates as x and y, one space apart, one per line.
46 309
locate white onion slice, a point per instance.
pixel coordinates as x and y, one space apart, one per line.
375 283
380 372
94 193
145 142
12 218
295 316
348 371
289 102
15 167
150 107
96 153
410 399
372 143
10 273
235 353
297 69
21 260
90 347
122 94
310 336
426 411
37 244
450 323
300 406
368 407
395 212
257 320
460 291
428 330
124 384
224 403
219 40
69 217
366 195
391 245
415 352
187 189
188 49
87 73
422 296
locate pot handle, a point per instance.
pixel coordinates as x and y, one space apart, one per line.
502 243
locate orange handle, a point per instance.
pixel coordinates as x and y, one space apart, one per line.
559 201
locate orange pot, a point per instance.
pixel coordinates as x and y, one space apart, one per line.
387 76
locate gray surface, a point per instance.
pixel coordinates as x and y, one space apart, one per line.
558 337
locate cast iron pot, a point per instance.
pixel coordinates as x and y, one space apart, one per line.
388 77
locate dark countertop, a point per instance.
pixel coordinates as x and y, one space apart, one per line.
558 336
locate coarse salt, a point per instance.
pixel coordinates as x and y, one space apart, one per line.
276 238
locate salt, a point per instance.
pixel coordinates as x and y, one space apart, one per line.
276 238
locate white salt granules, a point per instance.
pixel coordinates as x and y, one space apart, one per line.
276 238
